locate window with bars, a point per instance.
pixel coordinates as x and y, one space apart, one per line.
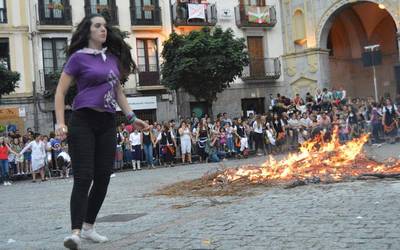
147 55
53 60
3 11
143 10
107 8
5 53
53 54
52 9
96 6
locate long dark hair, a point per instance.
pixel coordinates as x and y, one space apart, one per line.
115 44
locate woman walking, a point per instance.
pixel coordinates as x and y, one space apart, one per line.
98 61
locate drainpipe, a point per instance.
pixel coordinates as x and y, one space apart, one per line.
177 108
32 35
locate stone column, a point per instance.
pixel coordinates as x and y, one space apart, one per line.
398 43
323 75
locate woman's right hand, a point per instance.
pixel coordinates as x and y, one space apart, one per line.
61 131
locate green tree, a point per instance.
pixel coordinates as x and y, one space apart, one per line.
8 80
203 63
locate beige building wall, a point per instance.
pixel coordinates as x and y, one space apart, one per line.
17 31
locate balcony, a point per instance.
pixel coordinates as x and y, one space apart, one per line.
110 11
148 15
261 69
49 79
149 80
185 14
55 14
255 16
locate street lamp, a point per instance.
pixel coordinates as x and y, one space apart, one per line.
371 52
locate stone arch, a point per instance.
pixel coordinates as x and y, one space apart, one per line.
329 15
348 27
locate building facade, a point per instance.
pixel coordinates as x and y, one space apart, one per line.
16 54
258 21
34 33
332 43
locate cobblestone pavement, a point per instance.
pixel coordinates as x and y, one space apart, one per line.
357 215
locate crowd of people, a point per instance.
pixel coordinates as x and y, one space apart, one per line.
287 124
24 156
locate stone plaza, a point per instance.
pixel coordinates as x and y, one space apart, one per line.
354 215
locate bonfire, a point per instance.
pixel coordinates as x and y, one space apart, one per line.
317 161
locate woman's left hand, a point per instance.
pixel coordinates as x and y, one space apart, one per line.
141 125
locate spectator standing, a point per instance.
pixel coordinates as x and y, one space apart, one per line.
38 156
148 140
167 141
5 150
258 135
389 120
186 142
136 142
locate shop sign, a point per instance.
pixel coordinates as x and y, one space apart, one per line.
7 113
142 103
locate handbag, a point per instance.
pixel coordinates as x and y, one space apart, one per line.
171 149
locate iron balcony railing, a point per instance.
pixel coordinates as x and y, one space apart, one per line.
109 11
185 14
262 69
255 16
149 77
49 78
146 15
55 13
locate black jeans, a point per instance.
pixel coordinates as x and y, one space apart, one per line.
259 142
92 145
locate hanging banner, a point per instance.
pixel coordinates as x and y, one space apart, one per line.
258 14
197 11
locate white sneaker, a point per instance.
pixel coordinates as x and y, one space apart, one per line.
72 242
92 235
8 183
112 175
5 183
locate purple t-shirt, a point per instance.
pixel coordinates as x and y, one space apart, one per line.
96 80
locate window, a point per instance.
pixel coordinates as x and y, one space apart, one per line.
144 9
147 55
53 54
253 2
53 9
96 6
3 11
5 52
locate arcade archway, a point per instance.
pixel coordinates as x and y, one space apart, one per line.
348 31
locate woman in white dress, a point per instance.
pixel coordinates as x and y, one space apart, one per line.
38 156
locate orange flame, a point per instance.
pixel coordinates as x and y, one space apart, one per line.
316 159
